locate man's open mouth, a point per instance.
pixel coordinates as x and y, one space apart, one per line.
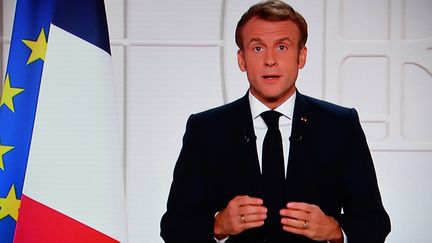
269 77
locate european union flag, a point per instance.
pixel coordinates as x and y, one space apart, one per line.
18 104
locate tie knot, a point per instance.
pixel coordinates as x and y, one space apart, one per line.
271 118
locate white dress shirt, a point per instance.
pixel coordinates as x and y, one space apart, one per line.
285 124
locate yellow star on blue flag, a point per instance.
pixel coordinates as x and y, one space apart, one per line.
4 149
9 205
38 47
8 94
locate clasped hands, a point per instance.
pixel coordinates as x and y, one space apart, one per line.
244 212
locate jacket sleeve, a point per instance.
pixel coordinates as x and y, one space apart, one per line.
188 218
364 218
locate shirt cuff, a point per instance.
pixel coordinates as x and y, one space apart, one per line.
222 241
345 237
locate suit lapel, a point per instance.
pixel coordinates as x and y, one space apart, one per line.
249 149
300 120
299 135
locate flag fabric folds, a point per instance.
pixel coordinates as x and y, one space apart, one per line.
61 171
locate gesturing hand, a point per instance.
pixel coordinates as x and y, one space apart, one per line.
309 220
241 213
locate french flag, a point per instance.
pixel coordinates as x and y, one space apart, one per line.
62 178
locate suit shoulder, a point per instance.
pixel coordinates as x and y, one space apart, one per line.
334 118
329 112
224 111
222 119
326 107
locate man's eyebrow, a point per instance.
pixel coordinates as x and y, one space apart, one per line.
255 40
284 39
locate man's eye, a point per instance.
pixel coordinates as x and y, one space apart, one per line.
258 49
281 48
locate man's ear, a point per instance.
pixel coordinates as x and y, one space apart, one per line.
302 57
241 61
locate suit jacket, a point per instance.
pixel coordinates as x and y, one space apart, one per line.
329 165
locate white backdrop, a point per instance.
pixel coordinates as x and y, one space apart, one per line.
173 58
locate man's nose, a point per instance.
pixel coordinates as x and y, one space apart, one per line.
270 59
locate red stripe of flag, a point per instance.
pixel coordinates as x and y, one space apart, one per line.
42 224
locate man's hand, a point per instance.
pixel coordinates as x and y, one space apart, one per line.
310 221
241 213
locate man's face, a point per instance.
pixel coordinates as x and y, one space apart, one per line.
271 59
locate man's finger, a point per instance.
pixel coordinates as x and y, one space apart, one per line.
296 223
254 217
251 209
295 214
295 230
246 200
300 206
254 224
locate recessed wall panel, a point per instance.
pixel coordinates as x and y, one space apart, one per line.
418 19
375 131
165 85
365 84
416 104
175 20
365 20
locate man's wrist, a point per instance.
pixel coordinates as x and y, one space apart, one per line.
341 240
339 235
218 231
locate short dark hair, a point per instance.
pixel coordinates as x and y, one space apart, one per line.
272 10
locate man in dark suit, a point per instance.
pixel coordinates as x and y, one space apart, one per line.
274 166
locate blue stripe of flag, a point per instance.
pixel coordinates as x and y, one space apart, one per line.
16 127
85 19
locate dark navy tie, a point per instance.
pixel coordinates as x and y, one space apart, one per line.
273 170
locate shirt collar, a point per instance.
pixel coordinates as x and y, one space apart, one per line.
286 108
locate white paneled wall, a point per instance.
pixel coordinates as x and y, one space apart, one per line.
382 65
173 58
